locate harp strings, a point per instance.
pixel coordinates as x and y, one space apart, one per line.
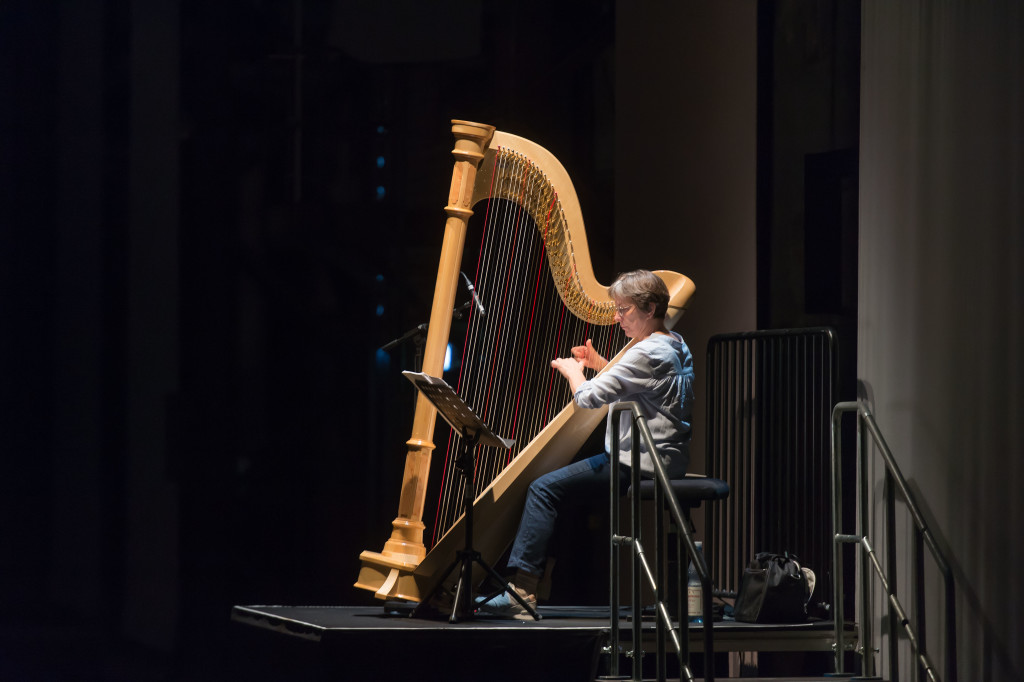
505 374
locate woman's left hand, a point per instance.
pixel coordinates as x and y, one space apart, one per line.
589 357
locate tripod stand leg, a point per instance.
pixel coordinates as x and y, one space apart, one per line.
463 591
437 588
463 598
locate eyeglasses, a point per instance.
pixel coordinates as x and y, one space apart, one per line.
622 310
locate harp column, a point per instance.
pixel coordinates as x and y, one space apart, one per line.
405 547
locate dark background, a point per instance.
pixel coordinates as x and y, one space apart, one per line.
213 214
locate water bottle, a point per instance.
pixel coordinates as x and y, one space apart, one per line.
694 593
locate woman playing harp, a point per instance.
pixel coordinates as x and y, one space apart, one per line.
657 373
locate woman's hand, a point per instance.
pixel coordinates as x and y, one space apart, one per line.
571 369
588 357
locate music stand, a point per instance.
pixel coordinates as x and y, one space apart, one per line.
473 432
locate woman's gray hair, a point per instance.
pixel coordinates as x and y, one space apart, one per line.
644 288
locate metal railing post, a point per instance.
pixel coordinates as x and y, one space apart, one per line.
864 577
613 559
838 610
893 482
680 634
637 609
890 552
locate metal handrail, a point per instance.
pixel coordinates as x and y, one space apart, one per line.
680 637
923 538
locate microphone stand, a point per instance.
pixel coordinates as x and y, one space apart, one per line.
418 335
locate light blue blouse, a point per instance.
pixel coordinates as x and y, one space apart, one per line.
657 373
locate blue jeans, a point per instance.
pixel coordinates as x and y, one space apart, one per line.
586 479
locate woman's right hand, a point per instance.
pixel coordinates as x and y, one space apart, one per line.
589 357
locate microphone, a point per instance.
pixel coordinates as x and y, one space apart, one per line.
472 291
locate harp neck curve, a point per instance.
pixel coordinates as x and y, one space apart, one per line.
512 162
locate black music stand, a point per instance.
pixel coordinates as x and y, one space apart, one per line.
473 432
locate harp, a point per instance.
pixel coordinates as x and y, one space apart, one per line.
533 222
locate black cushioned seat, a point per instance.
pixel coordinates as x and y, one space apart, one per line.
690 491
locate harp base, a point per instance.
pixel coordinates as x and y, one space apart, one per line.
388 578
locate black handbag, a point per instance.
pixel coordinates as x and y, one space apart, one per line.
773 589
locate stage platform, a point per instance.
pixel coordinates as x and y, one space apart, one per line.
567 644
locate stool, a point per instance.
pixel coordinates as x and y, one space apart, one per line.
690 492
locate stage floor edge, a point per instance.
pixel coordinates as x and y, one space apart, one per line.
326 623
